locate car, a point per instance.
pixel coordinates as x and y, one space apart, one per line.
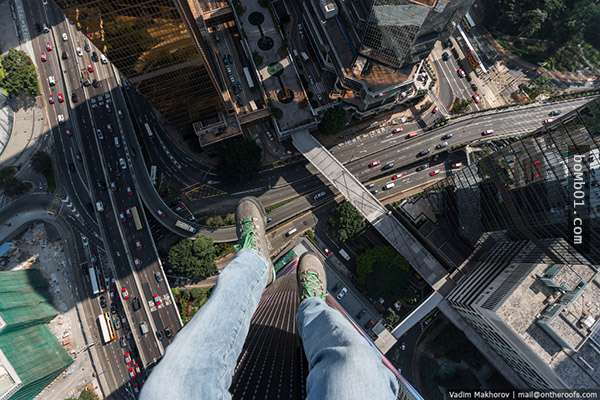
168 332
74 97
398 129
156 299
434 110
161 213
457 165
68 132
487 132
445 56
122 163
370 186
138 244
374 192
102 301
103 59
361 313
411 135
319 195
128 212
64 55
158 277
131 372
137 262
79 52
434 172
136 367
116 322
60 97
51 80
554 113
423 153
127 357
548 120
129 191
374 163
388 166
476 98
395 177
48 46
44 57
123 341
50 99
99 134
441 145
94 56
460 72
422 167
113 186
65 37
327 252
86 46
60 118
124 293
342 293
96 84
135 304
122 216
474 87
90 68
159 335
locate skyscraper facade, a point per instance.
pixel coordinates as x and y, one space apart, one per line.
152 44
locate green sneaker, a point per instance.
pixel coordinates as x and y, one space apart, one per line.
251 221
312 281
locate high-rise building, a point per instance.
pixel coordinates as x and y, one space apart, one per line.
374 46
155 45
520 226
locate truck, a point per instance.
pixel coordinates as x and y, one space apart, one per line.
344 254
185 226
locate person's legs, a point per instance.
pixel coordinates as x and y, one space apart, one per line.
199 364
342 364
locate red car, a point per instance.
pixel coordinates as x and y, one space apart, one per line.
127 357
156 299
48 46
60 97
124 293
51 99
374 164
411 135
44 57
395 177
434 172
131 372
435 109
129 191
90 68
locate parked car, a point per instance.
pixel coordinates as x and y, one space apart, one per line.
342 293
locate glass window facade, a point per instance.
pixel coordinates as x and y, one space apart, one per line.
150 43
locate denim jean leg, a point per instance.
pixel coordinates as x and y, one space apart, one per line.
342 364
199 364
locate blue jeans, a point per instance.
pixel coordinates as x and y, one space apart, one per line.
199 364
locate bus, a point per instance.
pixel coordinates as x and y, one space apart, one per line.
136 218
248 77
285 260
291 232
94 280
106 328
153 175
148 130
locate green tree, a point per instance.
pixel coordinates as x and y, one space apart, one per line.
10 184
42 164
347 222
194 258
333 121
240 159
382 272
20 76
86 394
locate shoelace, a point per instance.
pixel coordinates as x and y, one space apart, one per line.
312 285
248 239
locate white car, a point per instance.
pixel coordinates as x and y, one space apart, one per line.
342 293
61 118
103 59
64 37
79 52
51 80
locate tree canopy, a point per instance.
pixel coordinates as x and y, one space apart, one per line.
20 76
86 394
347 222
194 258
382 272
240 159
10 184
333 121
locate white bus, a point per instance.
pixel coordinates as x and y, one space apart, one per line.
148 130
248 77
106 328
291 232
136 218
344 254
94 281
153 175
185 226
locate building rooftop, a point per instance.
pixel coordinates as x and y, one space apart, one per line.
555 310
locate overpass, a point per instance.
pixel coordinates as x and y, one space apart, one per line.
430 269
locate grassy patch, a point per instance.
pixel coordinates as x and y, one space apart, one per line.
189 301
275 206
